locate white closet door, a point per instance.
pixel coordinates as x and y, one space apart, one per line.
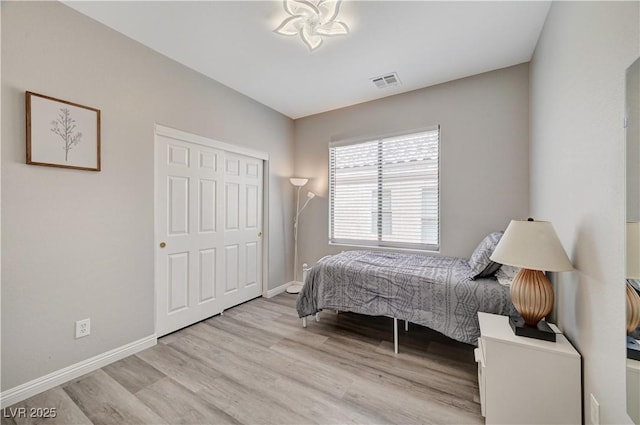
242 229
205 259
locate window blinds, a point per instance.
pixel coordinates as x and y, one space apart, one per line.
385 192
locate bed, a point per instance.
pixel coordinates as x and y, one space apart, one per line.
442 293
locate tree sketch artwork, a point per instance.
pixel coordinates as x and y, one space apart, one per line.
62 133
65 127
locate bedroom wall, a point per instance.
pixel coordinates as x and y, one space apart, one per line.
79 244
484 154
578 179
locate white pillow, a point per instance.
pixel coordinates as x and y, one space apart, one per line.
506 274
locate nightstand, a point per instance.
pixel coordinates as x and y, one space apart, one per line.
525 380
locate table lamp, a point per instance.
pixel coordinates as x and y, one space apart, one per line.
633 272
535 248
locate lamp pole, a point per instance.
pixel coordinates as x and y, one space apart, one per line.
295 287
295 237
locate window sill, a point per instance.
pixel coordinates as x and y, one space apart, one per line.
385 248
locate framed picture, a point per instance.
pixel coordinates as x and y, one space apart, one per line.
62 134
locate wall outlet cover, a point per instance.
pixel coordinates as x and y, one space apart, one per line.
83 328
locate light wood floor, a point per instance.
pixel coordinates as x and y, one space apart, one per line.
256 365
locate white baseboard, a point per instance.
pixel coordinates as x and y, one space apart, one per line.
38 385
278 290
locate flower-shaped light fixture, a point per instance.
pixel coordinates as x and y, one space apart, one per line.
312 20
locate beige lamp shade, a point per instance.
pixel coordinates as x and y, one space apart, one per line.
633 250
531 245
298 181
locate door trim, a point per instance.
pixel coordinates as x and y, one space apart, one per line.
162 130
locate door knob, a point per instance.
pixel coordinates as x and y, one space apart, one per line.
162 244
259 234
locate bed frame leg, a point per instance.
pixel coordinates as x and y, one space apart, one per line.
317 316
395 335
304 322
406 326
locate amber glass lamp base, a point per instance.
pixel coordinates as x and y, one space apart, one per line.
633 309
532 295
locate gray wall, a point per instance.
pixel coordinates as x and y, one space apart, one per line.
484 154
79 244
578 179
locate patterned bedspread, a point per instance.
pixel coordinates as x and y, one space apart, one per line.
436 292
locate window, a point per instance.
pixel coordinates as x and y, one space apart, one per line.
385 192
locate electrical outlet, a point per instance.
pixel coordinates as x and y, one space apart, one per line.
595 411
83 328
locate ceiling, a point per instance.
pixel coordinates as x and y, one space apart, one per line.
424 42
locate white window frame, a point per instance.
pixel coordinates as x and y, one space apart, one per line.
409 246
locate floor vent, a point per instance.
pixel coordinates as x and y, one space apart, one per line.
388 80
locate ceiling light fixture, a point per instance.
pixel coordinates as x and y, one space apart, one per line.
312 20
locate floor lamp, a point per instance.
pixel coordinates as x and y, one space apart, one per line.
296 287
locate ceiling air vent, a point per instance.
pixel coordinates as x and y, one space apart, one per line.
386 80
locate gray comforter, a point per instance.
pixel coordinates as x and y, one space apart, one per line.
436 292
